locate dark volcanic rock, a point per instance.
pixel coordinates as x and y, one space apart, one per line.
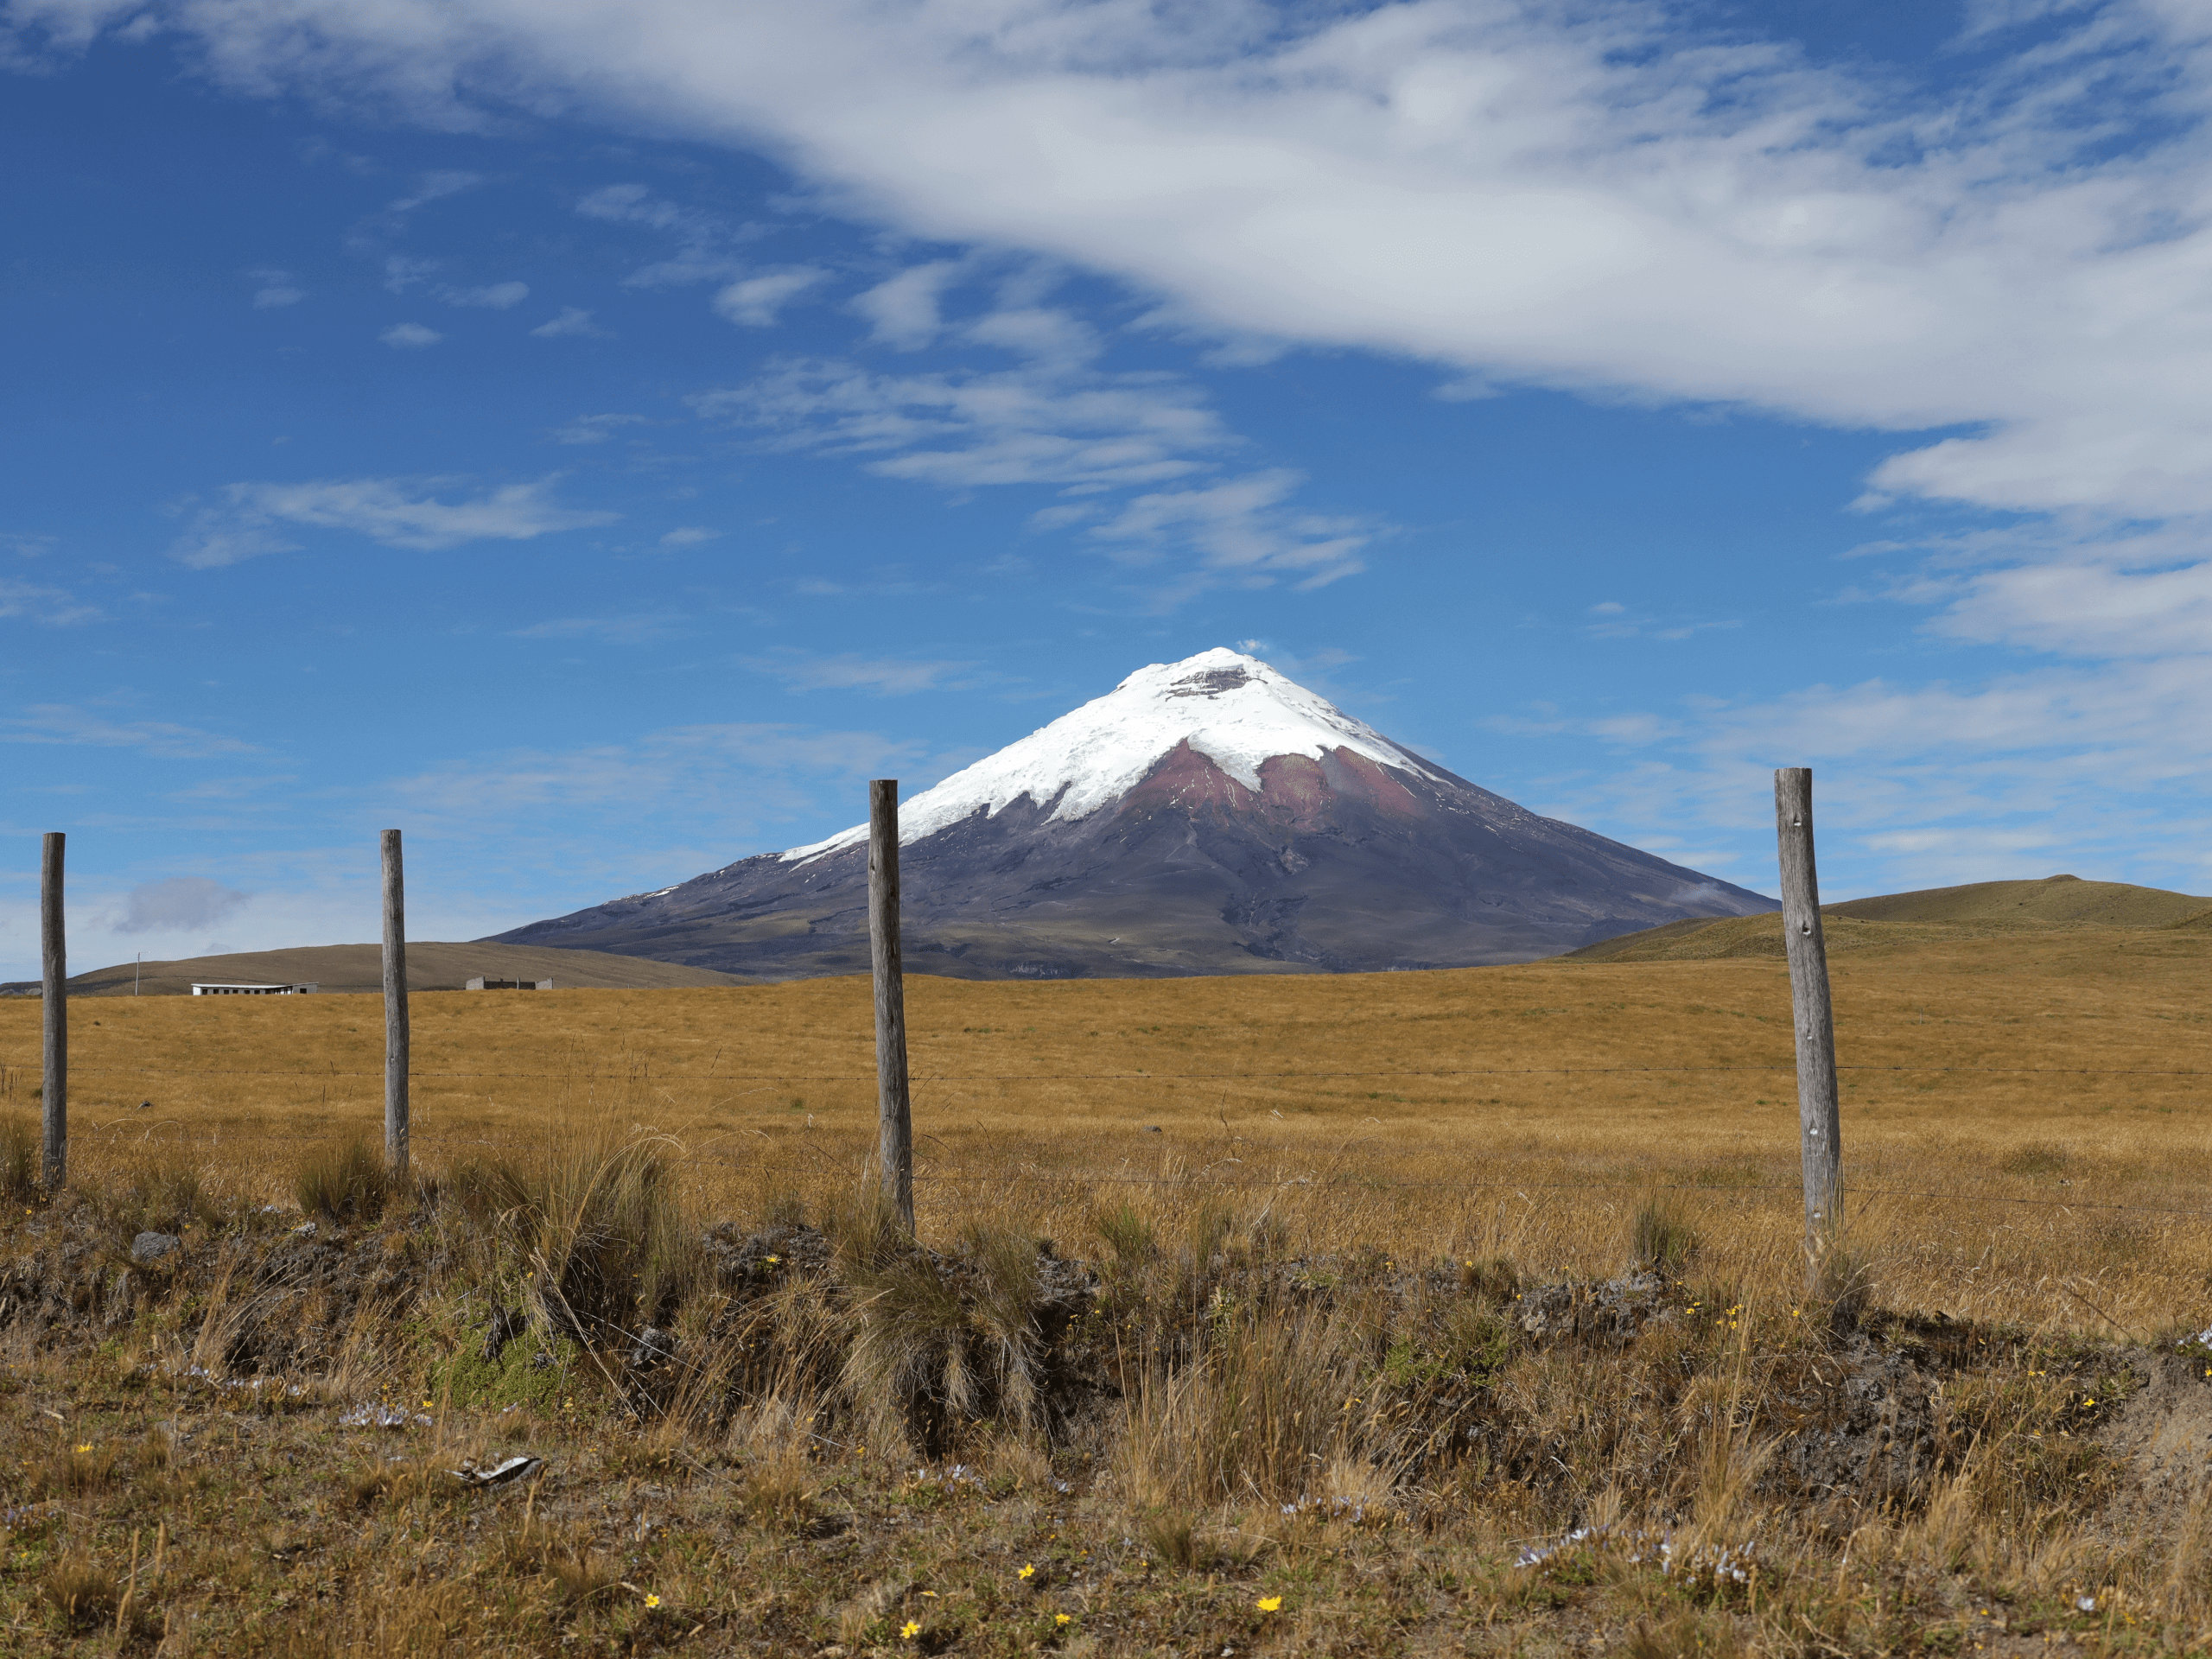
1208 817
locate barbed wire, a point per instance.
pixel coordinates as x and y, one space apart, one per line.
648 1075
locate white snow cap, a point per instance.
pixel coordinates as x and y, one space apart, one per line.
1232 709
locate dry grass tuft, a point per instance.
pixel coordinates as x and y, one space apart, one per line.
344 1184
1662 1238
81 1591
21 1155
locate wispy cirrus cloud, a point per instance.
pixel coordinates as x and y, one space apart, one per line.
962 429
595 428
274 289
55 723
613 629
706 243
847 671
492 296
1136 457
684 767
571 322
254 519
56 606
757 301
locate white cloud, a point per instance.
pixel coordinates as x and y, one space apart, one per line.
42 603
254 518
705 243
498 296
886 676
277 289
1589 198
687 764
435 186
903 309
573 323
966 428
402 272
594 428
62 723
1242 527
754 301
409 336
689 536
176 904
616 630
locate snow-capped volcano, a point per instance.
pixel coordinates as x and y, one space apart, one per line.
1233 709
1208 815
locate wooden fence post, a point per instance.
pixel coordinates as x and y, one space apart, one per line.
395 1007
897 1154
1819 1122
53 1091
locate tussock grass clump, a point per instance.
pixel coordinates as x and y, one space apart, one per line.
80 1590
1841 1278
162 1195
592 1230
1661 1236
345 1183
2038 1158
1258 1411
20 1154
936 1342
1127 1234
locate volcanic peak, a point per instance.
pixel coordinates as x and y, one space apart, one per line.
1232 709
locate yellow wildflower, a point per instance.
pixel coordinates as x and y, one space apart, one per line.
1269 1604
1062 1619
910 1629
652 1601
86 1446
1027 1572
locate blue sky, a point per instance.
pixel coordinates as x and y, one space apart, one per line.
596 438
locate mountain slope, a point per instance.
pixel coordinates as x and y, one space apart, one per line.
1205 817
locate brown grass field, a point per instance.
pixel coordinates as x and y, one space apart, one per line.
1309 1370
2003 1089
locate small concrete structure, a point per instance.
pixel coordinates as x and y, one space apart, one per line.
216 988
481 983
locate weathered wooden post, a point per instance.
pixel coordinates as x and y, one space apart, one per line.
395 1007
53 1091
1819 1122
897 1154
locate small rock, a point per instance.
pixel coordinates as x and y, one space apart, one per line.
1153 1128
145 1105
655 1347
305 1229
150 1248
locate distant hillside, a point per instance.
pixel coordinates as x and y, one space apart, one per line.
1978 910
430 967
2054 901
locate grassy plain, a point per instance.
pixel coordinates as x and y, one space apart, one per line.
1332 1353
2000 1092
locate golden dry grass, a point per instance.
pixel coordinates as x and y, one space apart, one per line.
2024 1115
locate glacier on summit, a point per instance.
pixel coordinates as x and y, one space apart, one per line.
1232 709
